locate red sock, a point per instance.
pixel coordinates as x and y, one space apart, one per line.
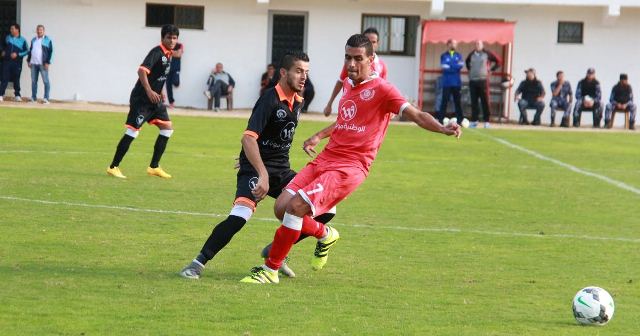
286 235
311 227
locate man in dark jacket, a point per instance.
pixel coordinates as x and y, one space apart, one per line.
530 94
588 96
480 63
621 100
15 49
451 63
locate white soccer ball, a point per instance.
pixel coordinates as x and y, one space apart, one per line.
453 120
593 306
445 121
465 123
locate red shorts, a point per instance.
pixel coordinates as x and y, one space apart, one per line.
324 185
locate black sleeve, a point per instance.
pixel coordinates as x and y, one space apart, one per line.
231 81
261 113
493 59
152 58
467 62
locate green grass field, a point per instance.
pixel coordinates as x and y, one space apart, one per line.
446 237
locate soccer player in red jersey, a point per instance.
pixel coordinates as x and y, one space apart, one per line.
366 107
377 66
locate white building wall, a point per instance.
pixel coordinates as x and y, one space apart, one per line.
99 45
609 45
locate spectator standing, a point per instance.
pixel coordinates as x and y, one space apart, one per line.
530 94
173 79
561 99
15 49
479 63
451 63
220 84
588 96
39 60
621 99
308 94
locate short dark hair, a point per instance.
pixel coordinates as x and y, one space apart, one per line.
360 41
291 57
371 30
559 72
16 25
169 29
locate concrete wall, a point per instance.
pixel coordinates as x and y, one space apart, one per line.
99 45
609 46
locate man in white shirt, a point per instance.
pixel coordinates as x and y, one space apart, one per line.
39 59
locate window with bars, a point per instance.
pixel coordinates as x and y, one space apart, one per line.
397 33
189 17
570 32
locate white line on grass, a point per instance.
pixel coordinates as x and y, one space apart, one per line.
575 169
382 227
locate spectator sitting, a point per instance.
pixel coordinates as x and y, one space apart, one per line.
621 100
308 94
530 94
588 95
267 78
220 83
173 79
561 98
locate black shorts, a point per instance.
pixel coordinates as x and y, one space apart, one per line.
139 113
248 177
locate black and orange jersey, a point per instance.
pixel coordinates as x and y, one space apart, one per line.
157 65
273 123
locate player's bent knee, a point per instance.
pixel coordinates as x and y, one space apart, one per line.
298 207
241 210
132 133
166 132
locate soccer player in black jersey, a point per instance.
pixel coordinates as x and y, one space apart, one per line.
146 104
264 168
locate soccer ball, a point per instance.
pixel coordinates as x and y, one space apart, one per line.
465 123
593 306
453 120
445 121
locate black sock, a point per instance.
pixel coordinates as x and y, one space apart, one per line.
158 150
121 150
220 237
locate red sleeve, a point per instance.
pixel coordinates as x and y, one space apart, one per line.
394 100
383 73
343 73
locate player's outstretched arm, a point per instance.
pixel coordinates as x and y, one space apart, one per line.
426 121
252 151
309 145
334 94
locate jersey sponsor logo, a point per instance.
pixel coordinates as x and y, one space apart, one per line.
348 110
139 120
351 127
253 183
281 114
275 145
287 132
367 94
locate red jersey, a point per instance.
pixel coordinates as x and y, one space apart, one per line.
377 66
364 113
